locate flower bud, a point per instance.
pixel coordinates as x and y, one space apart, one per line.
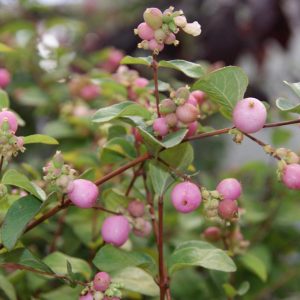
193 29
180 21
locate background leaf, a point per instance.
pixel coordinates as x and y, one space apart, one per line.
4 100
130 60
7 288
40 139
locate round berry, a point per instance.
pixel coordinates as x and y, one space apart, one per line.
192 129
291 176
11 119
249 115
171 119
90 92
212 234
170 39
186 197
87 296
192 100
4 78
155 46
141 82
143 227
160 127
153 17
115 230
101 281
199 95
167 106
187 113
230 189
228 209
136 208
83 193
145 32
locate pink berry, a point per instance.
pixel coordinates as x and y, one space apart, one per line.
212 234
187 113
230 189
88 296
90 92
155 46
83 193
11 119
228 209
192 100
113 60
115 230
145 32
170 39
20 141
141 82
153 17
249 115
291 176
144 229
186 197
199 95
136 208
4 78
160 127
171 120
192 129
101 281
167 106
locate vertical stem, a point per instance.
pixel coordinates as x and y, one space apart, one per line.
155 78
1 162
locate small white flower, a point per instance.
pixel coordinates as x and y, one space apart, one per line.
180 21
193 28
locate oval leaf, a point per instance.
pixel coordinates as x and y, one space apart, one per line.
4 100
40 139
129 60
18 216
255 265
190 69
287 105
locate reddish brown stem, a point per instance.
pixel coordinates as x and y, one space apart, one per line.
155 79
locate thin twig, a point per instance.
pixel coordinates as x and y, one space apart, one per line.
154 66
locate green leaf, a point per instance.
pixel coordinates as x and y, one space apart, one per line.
24 259
174 138
116 150
7 288
113 200
119 111
4 48
188 68
18 216
40 139
281 136
180 156
59 129
295 87
57 261
243 288
160 177
287 105
255 265
162 86
230 291
137 280
64 292
109 259
129 60
13 177
198 253
225 86
4 100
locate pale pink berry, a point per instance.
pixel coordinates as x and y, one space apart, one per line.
212 234
171 120
143 229
186 197
228 209
136 208
192 129
199 95
145 32
167 106
101 281
141 82
90 92
113 61
20 141
170 39
153 17
4 78
230 189
192 100
187 113
249 115
160 127
291 176
155 46
115 230
88 296
11 118
83 193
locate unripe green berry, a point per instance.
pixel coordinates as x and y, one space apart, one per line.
153 17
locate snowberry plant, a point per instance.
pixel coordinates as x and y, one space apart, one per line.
147 171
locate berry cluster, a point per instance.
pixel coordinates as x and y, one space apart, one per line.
181 110
160 28
10 144
83 88
102 288
5 78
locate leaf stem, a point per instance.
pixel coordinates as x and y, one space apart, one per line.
154 66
